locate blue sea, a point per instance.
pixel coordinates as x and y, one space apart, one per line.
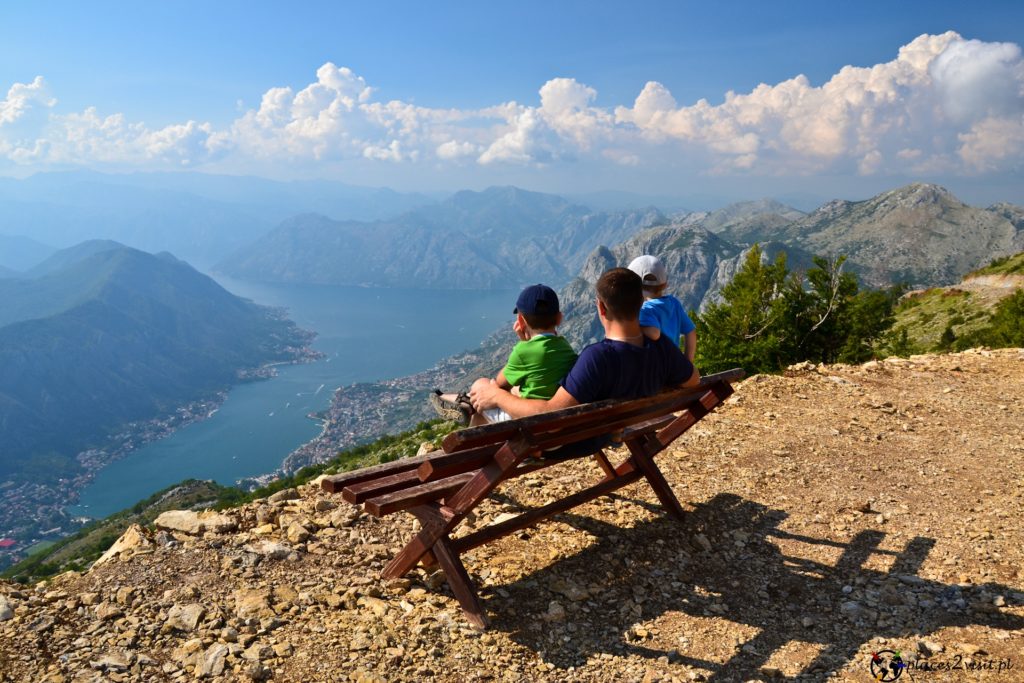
366 335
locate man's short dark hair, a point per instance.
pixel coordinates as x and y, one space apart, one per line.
622 292
541 321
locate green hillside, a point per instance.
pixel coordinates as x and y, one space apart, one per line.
945 318
1007 265
117 336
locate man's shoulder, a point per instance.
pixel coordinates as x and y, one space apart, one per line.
663 343
594 347
595 351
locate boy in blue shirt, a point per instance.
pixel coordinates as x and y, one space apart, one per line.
663 314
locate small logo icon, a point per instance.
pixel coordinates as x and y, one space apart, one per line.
887 665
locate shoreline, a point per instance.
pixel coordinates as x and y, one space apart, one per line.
50 501
356 414
362 412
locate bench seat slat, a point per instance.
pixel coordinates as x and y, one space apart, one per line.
472 459
359 492
416 495
568 436
336 482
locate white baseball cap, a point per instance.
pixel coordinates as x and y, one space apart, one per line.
650 269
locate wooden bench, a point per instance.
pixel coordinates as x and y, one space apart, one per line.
442 487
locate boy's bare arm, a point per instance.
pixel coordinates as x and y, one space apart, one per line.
487 394
501 381
691 345
652 333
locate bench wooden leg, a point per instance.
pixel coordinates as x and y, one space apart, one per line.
433 525
602 460
438 521
461 585
645 463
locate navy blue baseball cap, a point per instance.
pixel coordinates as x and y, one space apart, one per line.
537 300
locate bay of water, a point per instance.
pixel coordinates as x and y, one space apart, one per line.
366 334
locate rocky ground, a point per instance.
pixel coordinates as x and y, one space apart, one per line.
833 513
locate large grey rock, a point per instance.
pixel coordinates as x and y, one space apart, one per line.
185 617
194 523
211 662
6 609
132 540
258 652
115 660
253 604
283 495
272 550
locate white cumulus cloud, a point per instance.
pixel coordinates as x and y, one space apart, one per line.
23 96
944 103
938 92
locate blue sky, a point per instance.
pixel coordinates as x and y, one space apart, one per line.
540 94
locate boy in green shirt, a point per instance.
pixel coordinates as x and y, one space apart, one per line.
537 363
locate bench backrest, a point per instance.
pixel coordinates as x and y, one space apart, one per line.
583 421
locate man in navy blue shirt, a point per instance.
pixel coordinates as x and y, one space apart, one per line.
625 364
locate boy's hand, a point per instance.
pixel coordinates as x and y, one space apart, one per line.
483 394
519 328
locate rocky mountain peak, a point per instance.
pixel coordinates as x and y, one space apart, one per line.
915 195
831 208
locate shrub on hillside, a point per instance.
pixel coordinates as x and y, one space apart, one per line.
1005 328
770 318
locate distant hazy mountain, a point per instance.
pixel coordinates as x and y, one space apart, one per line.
116 335
7 272
66 257
276 200
18 252
617 200
499 238
200 217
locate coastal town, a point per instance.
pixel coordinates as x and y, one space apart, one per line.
362 412
34 514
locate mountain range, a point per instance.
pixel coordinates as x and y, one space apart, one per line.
501 238
505 237
918 234
101 335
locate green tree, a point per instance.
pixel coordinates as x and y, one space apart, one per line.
743 329
947 339
869 317
769 318
821 301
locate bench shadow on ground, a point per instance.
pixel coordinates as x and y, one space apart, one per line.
773 593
